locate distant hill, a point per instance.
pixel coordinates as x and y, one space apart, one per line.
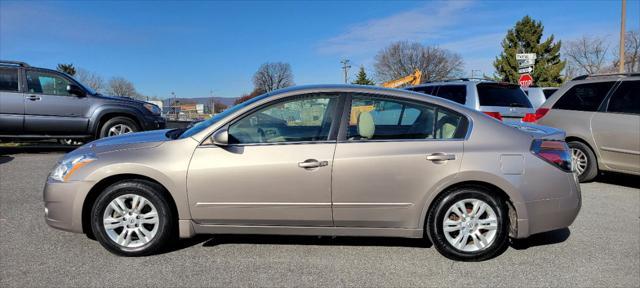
199 100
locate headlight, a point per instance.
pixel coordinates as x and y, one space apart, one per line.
154 109
67 167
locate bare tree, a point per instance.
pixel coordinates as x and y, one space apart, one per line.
272 76
631 52
119 86
586 55
90 79
402 58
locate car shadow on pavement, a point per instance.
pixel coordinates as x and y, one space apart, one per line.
619 179
542 239
215 240
5 159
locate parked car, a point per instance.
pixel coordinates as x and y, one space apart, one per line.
601 116
322 160
38 103
538 95
503 101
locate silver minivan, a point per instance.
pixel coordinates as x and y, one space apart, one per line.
601 116
504 101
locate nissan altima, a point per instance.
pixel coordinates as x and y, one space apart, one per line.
337 160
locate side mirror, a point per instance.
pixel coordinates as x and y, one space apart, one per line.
221 137
76 90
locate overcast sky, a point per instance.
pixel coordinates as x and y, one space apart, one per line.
193 48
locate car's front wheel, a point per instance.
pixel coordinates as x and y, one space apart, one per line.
468 224
118 126
132 218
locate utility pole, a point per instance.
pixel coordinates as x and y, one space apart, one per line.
473 72
345 67
622 19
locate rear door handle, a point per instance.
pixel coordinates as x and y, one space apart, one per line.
33 97
312 163
440 157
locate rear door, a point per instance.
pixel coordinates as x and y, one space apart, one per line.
616 130
50 109
391 154
507 99
11 102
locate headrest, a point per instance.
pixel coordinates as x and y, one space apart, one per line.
366 126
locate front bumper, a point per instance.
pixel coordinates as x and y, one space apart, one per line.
63 203
552 213
154 122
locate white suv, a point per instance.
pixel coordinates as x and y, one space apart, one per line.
500 100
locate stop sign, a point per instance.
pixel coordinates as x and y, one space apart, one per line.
525 80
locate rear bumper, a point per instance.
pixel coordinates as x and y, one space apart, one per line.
553 213
63 203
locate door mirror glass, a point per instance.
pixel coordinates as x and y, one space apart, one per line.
220 137
76 90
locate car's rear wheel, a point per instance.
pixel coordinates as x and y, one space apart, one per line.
132 218
584 161
118 126
468 224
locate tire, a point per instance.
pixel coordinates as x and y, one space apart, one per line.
591 167
160 230
494 217
127 124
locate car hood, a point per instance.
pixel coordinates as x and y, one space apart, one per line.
140 140
538 131
120 99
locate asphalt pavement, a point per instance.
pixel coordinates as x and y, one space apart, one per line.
601 249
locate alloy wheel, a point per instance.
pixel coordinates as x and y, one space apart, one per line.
579 159
131 221
470 225
119 129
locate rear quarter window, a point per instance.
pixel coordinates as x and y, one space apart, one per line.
498 94
584 97
426 89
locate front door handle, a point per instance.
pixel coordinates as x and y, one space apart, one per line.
312 163
440 157
33 97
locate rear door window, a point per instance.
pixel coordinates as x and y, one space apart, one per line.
626 98
455 93
505 95
584 97
9 80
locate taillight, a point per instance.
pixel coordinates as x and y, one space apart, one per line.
554 152
494 115
533 117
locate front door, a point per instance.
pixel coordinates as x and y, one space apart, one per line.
276 170
11 102
617 131
51 109
394 153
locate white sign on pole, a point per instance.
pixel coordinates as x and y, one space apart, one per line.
525 70
526 56
526 63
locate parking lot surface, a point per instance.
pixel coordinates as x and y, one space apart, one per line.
601 248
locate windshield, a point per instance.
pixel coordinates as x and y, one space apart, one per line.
499 94
204 124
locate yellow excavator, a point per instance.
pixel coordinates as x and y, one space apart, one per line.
414 79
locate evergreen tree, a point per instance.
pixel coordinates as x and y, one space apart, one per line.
67 68
525 37
362 78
